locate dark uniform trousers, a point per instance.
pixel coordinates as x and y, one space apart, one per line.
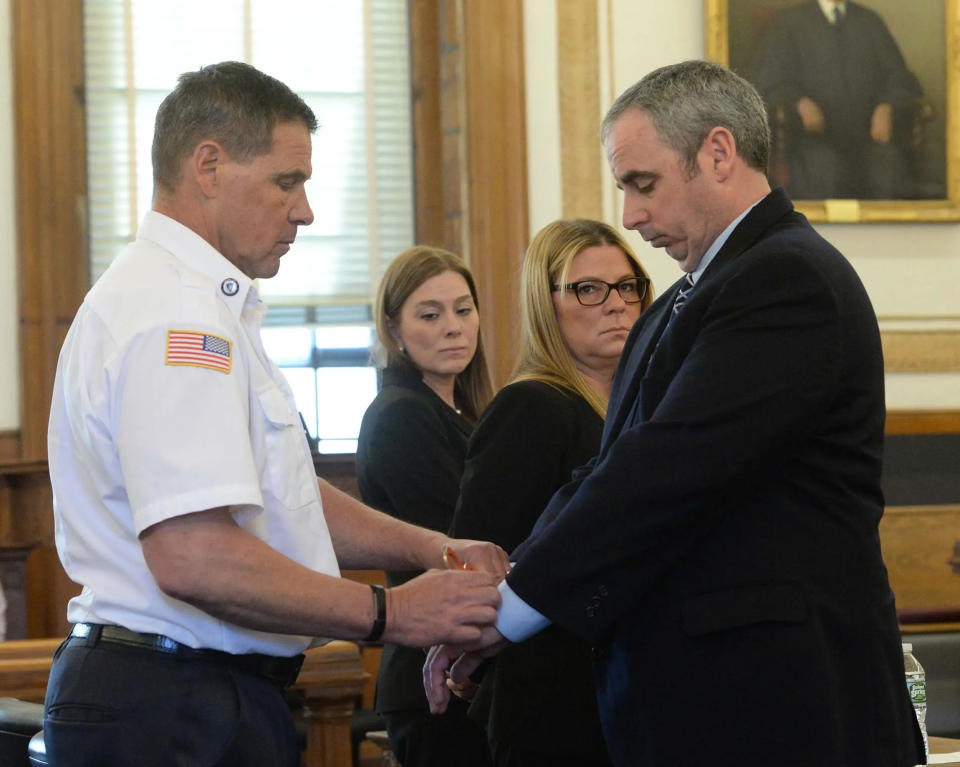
109 704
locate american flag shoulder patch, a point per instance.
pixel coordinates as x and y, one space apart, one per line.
197 349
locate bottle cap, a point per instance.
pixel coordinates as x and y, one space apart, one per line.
907 647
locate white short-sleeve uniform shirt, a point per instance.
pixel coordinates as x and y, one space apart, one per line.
165 404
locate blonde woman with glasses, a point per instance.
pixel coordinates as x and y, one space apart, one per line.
582 289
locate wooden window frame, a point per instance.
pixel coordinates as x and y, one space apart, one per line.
482 181
51 193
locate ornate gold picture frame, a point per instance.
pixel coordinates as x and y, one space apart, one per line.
748 35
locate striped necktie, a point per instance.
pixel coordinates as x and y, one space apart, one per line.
682 294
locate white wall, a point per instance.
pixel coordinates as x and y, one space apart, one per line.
9 357
911 271
543 107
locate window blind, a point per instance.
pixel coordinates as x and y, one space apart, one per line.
348 59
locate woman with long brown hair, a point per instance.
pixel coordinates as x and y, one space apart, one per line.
410 454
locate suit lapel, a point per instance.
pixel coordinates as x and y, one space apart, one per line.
636 354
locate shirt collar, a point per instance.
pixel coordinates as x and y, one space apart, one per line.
717 244
827 7
232 285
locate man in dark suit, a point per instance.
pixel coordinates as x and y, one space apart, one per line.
721 552
835 76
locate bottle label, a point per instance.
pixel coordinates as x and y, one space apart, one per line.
917 688
918 691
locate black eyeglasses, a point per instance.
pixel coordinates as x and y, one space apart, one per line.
595 292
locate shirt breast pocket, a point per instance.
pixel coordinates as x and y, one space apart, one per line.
288 475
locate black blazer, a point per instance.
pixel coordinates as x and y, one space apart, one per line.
526 445
410 456
722 551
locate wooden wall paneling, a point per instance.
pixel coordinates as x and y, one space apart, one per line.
936 351
13 576
923 422
453 139
50 178
428 157
918 548
496 169
578 75
25 667
340 470
9 446
475 124
47 37
48 591
438 117
26 504
34 583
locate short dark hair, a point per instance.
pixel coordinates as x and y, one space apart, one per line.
231 103
686 101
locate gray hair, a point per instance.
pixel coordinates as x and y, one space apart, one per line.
686 101
231 103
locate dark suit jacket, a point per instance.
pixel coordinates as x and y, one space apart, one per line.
538 694
722 552
410 456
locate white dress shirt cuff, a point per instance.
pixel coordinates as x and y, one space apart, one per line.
517 620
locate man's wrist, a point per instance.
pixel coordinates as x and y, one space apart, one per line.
431 553
517 620
379 596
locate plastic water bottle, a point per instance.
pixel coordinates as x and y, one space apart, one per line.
917 686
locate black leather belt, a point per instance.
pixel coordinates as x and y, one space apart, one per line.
273 667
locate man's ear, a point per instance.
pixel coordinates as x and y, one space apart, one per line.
718 152
206 165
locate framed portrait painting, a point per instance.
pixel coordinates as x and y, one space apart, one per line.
861 97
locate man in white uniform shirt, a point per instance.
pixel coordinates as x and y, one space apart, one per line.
185 499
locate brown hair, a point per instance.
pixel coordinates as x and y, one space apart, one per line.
407 272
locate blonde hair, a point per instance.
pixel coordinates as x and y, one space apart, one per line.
407 272
544 355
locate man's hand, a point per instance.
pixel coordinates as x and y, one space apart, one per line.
881 124
465 690
810 115
456 661
441 606
476 555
